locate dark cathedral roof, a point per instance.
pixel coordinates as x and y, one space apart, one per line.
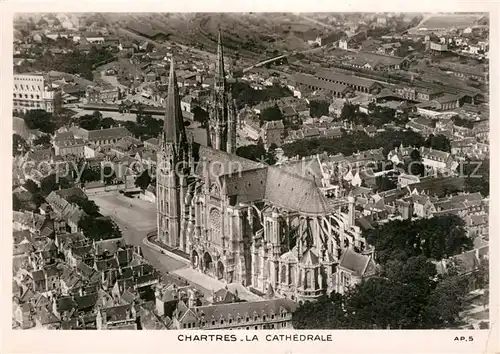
248 181
277 186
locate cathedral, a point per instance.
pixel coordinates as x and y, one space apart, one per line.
269 228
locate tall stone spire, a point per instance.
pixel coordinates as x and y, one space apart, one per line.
173 126
218 125
220 76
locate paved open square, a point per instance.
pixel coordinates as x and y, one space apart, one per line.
136 213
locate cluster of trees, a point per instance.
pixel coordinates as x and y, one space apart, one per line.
74 62
463 122
258 153
40 120
99 228
87 205
407 293
144 180
145 126
385 183
244 94
19 145
201 116
350 143
270 114
435 238
378 115
43 140
34 203
477 176
318 108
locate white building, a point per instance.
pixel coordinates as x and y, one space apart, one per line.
31 91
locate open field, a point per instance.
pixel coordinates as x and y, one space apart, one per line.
449 21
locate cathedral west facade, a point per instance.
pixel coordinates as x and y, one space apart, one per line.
266 227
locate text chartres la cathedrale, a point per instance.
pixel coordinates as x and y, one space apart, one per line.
255 338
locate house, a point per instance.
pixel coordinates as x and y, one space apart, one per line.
344 44
352 268
389 48
421 125
427 94
101 137
302 81
272 132
264 314
354 82
127 46
117 317
24 315
378 62
438 47
445 102
252 129
188 103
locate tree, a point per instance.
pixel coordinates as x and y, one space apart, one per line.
143 181
201 116
53 182
42 22
89 122
42 140
348 112
438 142
414 166
109 174
89 175
446 302
385 183
31 186
252 152
40 120
437 238
482 274
87 205
17 205
477 176
19 145
257 153
270 114
99 228
107 122
318 108
325 313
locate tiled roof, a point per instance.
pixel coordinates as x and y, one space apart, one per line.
308 168
354 261
149 321
106 134
345 78
280 187
245 309
310 80
118 313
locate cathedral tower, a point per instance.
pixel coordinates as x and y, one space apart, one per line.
218 125
172 168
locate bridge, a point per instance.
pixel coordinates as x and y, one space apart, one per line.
267 61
